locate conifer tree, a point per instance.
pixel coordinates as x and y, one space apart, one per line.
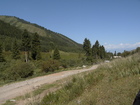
98 52
56 54
87 49
1 55
95 50
26 44
36 47
87 46
15 51
102 52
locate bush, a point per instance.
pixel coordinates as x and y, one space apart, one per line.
50 65
4 65
19 70
64 64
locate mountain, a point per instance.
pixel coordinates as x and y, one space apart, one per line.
48 37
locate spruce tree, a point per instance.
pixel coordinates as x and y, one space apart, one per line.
95 50
1 55
56 54
87 49
98 52
26 44
15 51
87 46
102 52
36 47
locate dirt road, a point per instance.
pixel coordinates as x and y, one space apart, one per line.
20 88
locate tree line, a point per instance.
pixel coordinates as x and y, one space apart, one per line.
127 53
29 45
94 52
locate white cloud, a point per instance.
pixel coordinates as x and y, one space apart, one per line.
121 46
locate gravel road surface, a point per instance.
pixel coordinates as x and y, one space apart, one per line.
20 88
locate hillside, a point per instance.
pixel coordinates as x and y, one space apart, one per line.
48 37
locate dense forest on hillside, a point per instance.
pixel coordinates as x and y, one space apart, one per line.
12 27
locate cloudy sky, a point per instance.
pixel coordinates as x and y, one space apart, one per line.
114 23
121 47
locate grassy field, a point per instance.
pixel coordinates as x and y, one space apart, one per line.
114 83
64 55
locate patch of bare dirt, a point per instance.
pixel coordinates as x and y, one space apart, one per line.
13 90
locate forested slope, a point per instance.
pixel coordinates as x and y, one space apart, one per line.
11 27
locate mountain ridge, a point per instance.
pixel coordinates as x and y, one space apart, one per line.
47 35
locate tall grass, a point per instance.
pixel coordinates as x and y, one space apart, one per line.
115 83
72 89
123 68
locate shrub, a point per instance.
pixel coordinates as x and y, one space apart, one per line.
19 70
64 64
50 65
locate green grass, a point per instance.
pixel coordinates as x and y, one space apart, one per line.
120 92
70 58
72 89
63 55
115 83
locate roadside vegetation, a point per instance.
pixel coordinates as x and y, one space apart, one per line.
114 83
16 70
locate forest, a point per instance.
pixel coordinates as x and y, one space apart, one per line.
13 27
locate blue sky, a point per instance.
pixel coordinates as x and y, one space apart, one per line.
114 23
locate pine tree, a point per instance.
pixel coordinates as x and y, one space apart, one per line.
15 51
26 44
36 47
1 56
87 46
102 52
95 50
98 52
56 54
87 49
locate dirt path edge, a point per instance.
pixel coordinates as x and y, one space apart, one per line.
21 88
